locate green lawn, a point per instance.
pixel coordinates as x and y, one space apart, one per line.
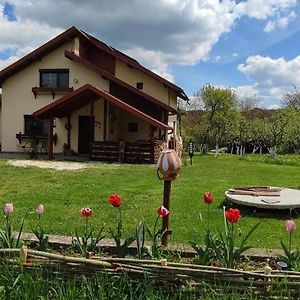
64 193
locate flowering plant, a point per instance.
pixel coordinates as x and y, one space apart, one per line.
87 242
42 243
155 235
122 249
7 239
207 253
228 254
289 257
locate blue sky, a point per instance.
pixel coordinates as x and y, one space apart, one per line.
251 46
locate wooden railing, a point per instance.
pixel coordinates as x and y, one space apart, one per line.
139 153
121 152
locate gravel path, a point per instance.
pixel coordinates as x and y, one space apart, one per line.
57 165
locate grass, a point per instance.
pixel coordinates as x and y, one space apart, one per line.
18 284
64 193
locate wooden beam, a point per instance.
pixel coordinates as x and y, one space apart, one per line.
50 138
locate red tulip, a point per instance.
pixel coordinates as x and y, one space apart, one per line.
233 215
114 200
86 212
162 211
208 197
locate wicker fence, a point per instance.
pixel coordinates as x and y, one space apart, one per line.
267 283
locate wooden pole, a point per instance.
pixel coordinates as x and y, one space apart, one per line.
69 131
165 220
50 139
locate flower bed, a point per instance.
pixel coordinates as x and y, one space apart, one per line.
219 259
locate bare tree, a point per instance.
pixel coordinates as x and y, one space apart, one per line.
292 99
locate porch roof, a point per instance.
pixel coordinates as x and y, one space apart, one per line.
83 96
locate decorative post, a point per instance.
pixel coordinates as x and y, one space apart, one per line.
191 150
168 165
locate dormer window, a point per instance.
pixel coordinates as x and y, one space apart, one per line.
54 78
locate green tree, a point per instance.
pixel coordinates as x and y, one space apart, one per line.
220 106
277 129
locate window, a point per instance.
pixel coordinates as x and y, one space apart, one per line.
54 78
139 85
34 126
132 127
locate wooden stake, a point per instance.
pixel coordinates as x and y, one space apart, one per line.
165 221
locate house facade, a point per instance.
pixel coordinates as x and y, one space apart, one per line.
77 95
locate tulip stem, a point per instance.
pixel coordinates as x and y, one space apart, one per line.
290 244
208 215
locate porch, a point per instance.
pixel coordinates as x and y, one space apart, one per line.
93 122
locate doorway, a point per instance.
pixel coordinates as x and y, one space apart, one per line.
85 133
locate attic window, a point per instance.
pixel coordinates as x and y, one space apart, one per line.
139 85
132 127
54 78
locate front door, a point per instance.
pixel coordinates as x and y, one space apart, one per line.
85 133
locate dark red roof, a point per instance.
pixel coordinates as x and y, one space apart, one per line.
64 37
84 95
38 54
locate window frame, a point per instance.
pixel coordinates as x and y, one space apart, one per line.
59 82
34 126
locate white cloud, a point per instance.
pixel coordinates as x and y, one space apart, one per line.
246 91
270 26
273 106
157 33
263 9
272 78
178 32
281 22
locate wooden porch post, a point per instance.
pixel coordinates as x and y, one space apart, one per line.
50 139
105 121
166 119
92 125
69 131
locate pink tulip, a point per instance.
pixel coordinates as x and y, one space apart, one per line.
40 209
8 208
290 226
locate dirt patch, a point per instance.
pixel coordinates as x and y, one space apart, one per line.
57 165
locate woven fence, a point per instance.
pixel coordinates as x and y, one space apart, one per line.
266 282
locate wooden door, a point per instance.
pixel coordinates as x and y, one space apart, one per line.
85 133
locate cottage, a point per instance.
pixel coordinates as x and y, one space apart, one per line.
77 95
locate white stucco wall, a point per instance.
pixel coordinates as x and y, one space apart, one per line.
18 99
150 85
